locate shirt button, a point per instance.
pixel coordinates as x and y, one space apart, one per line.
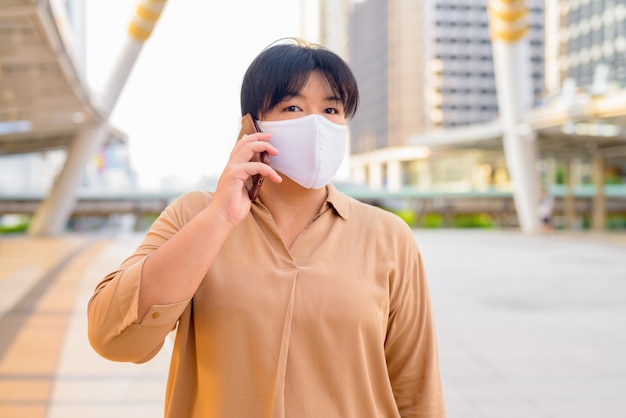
156 315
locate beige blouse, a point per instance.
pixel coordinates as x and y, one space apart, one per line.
338 325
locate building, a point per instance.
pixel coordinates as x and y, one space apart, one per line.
333 25
426 66
460 78
370 126
586 57
326 22
586 44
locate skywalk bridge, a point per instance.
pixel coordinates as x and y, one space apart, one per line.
497 204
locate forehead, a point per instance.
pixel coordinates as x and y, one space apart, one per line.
318 86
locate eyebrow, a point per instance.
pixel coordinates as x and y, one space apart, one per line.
333 98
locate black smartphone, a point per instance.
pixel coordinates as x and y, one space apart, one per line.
254 183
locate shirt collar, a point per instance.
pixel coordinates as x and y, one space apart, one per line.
338 201
335 200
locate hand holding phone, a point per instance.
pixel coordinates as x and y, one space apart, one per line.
254 182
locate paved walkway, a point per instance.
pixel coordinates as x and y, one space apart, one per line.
47 367
528 326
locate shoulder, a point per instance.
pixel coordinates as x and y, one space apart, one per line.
187 205
362 215
195 198
377 218
380 226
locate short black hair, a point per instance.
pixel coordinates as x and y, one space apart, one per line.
282 69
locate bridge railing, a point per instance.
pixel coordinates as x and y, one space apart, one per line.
448 204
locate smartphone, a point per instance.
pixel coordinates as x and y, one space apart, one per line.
254 183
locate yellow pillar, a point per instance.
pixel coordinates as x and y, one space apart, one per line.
511 55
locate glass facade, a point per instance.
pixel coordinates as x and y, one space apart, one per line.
463 82
592 38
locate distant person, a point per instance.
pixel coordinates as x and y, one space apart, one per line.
546 209
303 303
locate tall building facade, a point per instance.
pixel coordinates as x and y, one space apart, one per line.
425 66
587 42
333 25
461 81
367 55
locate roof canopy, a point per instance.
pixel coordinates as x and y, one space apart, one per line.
44 99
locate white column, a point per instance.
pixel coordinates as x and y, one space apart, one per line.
515 91
375 175
358 174
394 175
52 215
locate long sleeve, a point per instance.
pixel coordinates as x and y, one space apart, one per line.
112 310
112 314
411 346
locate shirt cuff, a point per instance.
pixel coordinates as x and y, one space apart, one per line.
163 315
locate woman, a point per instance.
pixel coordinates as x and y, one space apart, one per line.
301 303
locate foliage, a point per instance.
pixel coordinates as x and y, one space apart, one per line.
477 220
432 220
18 227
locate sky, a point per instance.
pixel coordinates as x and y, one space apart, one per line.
180 105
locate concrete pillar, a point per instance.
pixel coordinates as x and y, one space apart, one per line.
424 177
511 55
376 175
598 209
52 215
394 175
359 174
569 201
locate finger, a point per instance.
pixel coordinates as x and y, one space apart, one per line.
253 168
258 136
260 146
252 138
244 152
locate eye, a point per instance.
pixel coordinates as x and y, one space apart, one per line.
292 108
331 111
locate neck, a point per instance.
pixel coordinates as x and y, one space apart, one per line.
289 199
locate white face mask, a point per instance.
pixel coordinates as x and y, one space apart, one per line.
311 148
